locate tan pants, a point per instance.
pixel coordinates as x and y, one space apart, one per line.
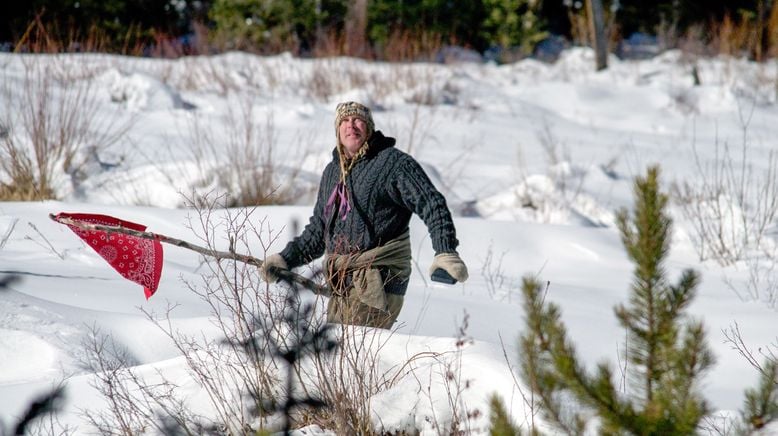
347 310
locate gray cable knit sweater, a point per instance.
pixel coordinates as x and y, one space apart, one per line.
386 186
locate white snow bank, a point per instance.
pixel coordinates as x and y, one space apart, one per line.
24 357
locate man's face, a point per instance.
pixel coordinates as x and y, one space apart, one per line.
353 133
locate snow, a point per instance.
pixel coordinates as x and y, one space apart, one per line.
534 160
17 347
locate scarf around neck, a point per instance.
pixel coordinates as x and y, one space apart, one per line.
340 196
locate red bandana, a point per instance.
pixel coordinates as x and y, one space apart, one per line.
136 259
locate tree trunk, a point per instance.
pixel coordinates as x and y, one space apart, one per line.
596 17
356 29
765 28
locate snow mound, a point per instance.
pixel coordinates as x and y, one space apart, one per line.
24 357
139 91
543 199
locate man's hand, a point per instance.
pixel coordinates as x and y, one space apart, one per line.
269 267
452 264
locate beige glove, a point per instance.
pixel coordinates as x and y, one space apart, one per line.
271 262
452 264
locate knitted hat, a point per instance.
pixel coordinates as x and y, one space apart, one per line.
354 109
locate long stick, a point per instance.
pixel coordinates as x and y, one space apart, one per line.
284 274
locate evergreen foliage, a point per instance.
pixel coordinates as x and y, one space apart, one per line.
667 352
453 21
513 23
499 421
273 25
256 23
761 404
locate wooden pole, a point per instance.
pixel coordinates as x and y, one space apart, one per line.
284 274
597 28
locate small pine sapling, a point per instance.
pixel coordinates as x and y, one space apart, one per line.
668 353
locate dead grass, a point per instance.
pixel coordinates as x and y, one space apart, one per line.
55 129
241 162
52 126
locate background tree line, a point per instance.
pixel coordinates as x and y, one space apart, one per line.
382 29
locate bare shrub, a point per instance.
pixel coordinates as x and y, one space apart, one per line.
416 131
411 45
244 167
422 85
462 414
208 73
136 402
492 272
329 43
335 76
579 26
241 382
731 205
401 45
349 379
226 74
46 244
419 84
761 282
111 365
55 126
557 195
769 353
238 164
733 36
237 364
559 158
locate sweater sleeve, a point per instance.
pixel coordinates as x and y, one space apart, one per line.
415 191
310 244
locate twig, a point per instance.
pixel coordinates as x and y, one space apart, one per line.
51 247
530 402
284 274
7 235
734 337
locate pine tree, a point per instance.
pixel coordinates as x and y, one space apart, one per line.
667 351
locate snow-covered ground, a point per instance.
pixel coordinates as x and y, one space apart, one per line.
534 159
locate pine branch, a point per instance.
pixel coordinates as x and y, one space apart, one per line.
761 404
499 419
537 366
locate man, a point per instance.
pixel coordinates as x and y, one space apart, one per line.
367 195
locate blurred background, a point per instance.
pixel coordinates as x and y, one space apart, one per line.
400 30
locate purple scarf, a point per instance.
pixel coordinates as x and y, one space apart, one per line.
340 195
